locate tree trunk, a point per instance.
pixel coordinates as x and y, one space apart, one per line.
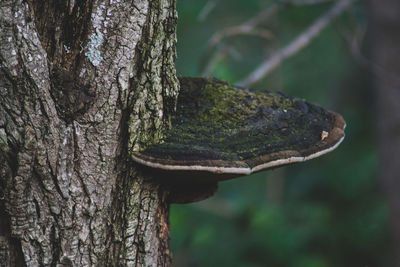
83 83
385 43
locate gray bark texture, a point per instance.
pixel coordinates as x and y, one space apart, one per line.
82 84
385 45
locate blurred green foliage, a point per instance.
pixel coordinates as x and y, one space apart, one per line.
327 212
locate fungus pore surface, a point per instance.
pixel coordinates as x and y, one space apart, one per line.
220 128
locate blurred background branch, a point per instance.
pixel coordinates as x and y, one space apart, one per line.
299 43
250 27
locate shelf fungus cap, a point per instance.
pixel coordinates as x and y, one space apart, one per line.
221 132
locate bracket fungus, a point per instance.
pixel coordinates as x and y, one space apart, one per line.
221 132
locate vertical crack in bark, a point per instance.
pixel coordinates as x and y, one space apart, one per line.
62 27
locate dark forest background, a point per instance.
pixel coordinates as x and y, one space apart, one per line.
330 211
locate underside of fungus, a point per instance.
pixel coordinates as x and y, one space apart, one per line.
221 132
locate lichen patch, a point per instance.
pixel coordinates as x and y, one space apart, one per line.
93 53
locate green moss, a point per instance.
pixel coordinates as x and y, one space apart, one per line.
216 121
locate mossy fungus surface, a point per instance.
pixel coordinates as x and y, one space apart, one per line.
223 129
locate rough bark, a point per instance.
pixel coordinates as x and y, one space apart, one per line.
83 83
385 45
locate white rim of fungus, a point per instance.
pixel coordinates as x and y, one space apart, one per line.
235 170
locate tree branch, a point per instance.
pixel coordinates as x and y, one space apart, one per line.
299 43
248 26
